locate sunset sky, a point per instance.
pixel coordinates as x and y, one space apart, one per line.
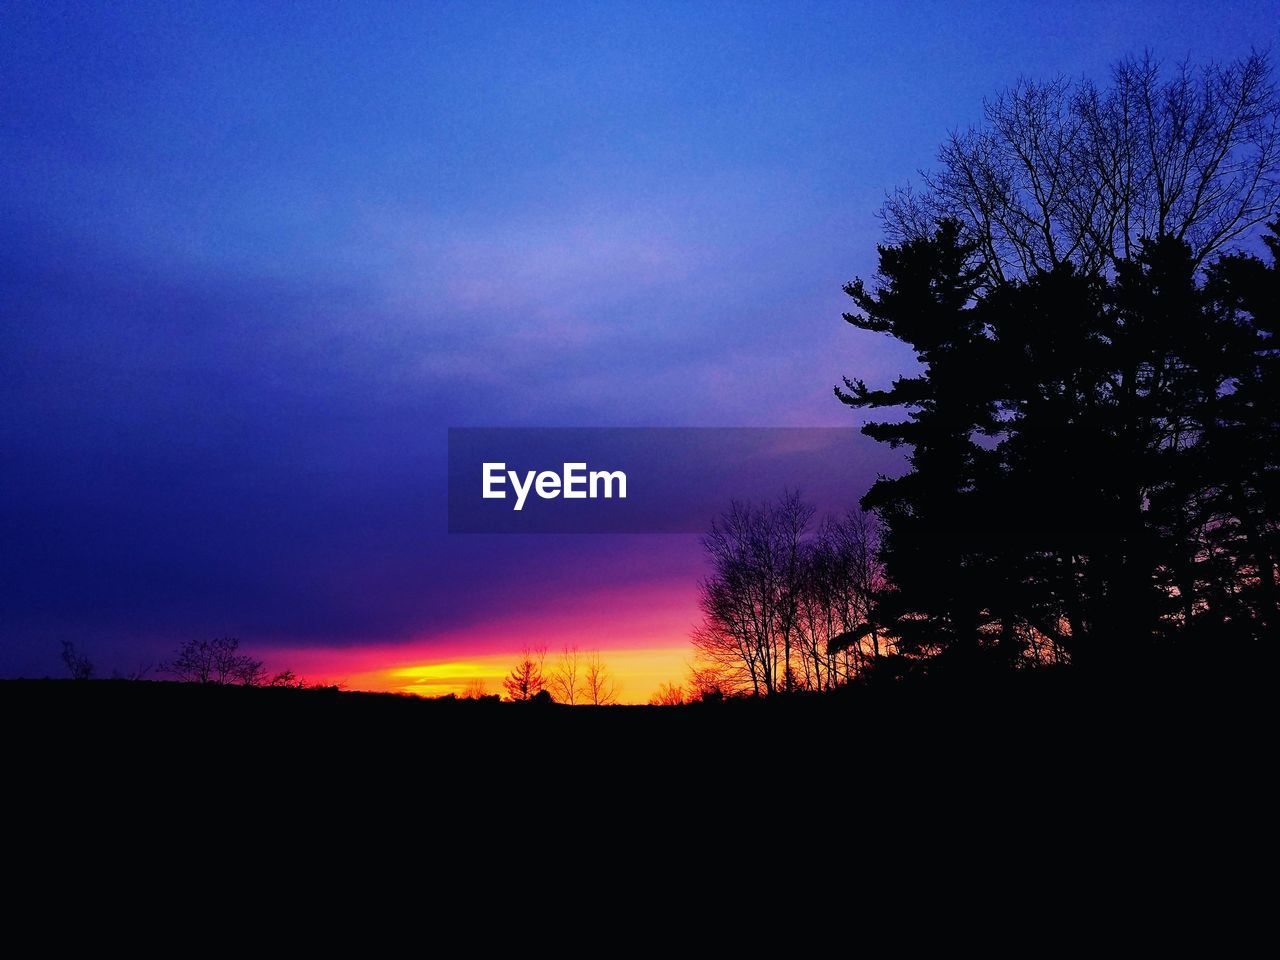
257 258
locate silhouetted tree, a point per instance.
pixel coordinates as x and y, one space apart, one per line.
840 576
667 695
77 664
1066 172
216 661
1240 453
598 685
566 679
778 597
709 682
1124 394
751 601
476 689
526 679
284 678
932 517
1094 459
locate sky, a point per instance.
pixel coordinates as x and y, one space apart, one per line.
256 259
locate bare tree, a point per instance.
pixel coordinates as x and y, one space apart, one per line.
77 664
216 661
476 689
779 606
751 601
1064 171
566 679
667 695
709 681
285 678
526 679
818 616
858 578
598 685
725 658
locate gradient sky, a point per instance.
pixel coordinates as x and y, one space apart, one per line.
256 258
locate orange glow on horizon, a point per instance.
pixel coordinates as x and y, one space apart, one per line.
646 646
637 673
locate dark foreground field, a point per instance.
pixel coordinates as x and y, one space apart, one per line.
1031 722
1135 767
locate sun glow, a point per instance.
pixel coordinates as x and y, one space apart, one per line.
637 671
647 645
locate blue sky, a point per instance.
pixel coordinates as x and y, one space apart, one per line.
255 258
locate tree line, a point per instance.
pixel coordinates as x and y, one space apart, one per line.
219 661
1094 459
1093 428
782 593
576 678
